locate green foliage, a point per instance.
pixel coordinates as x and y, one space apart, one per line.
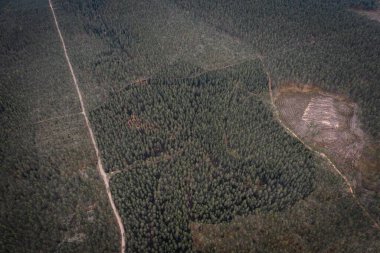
316 42
137 39
328 219
226 155
51 197
204 148
364 4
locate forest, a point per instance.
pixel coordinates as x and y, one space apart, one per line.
312 42
203 149
51 197
178 97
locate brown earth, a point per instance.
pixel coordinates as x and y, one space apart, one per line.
235 237
373 15
324 120
329 123
135 122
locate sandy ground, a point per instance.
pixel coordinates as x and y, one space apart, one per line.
373 15
329 125
325 120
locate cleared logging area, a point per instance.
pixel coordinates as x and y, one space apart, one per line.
330 123
327 121
372 13
198 164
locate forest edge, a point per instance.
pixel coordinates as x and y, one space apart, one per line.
101 171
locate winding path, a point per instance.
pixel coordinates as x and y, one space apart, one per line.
101 171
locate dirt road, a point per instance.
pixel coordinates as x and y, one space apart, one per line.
101 171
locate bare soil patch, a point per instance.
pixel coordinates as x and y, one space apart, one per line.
139 124
373 15
325 120
329 123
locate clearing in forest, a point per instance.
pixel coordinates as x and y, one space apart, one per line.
323 119
373 14
331 124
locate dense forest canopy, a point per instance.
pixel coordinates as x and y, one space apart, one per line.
364 4
51 199
202 149
317 42
178 96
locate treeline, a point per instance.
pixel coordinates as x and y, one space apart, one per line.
319 42
364 4
149 128
203 149
136 39
315 42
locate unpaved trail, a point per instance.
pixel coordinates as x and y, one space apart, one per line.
292 133
101 171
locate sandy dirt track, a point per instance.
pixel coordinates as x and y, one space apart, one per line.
101 171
